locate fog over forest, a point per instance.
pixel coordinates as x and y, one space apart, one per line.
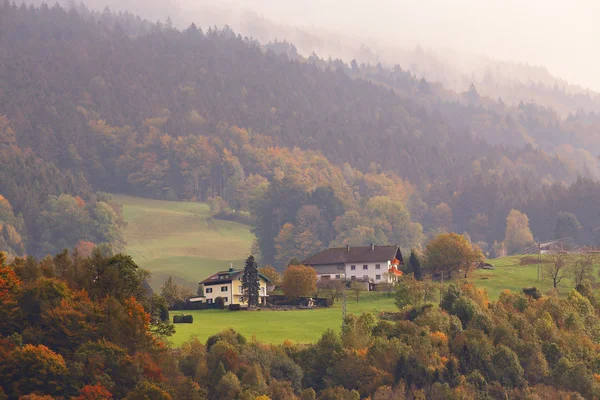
466 35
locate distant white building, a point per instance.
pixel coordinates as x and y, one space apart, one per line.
375 264
555 245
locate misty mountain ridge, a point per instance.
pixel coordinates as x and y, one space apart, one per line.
511 81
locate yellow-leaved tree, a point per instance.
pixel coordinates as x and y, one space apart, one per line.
299 281
517 236
449 252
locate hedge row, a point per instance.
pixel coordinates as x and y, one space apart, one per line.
183 319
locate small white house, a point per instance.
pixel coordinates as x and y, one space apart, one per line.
228 285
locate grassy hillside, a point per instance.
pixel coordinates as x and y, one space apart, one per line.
517 272
510 273
180 239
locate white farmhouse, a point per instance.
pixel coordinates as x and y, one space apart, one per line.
375 264
228 286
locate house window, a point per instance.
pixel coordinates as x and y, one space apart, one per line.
365 266
224 288
240 289
353 276
262 290
209 301
352 267
338 276
208 290
225 299
366 276
378 277
377 266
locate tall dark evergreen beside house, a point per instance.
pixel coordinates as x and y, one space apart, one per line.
250 283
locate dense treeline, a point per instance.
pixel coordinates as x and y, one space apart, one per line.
82 327
44 210
148 110
480 206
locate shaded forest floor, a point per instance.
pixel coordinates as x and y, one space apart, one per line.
180 239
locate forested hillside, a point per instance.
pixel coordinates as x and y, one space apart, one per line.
311 152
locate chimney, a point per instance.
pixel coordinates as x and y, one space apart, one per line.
231 269
372 247
348 248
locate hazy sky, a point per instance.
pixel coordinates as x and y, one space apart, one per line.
561 35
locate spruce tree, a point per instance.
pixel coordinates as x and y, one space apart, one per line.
251 283
415 265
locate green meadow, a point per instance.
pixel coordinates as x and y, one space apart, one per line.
306 326
180 239
509 273
516 272
299 326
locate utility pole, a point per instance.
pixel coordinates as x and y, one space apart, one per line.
442 286
344 301
539 260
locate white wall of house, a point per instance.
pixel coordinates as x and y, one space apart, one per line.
231 292
238 292
211 292
375 271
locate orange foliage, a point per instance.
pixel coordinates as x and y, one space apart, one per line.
4 202
34 368
150 369
70 321
298 281
80 202
95 392
362 352
9 286
136 311
476 294
84 249
438 338
9 283
6 346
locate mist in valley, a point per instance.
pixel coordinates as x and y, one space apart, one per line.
498 45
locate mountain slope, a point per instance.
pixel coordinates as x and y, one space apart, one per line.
314 149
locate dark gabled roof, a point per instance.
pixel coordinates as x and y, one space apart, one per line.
341 255
222 277
226 277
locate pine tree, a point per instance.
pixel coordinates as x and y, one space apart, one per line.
250 282
415 265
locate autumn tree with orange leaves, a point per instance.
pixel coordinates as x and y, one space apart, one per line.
299 281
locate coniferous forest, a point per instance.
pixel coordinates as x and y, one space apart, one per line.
97 102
